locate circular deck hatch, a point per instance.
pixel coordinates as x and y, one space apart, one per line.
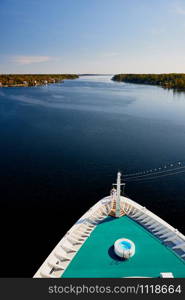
124 248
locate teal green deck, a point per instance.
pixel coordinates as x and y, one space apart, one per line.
96 257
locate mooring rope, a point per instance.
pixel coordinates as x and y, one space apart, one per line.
166 170
154 177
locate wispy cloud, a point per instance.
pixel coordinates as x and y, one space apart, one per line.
157 31
179 9
111 54
26 60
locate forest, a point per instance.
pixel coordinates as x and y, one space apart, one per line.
171 80
10 80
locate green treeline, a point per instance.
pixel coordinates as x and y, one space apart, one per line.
33 79
171 80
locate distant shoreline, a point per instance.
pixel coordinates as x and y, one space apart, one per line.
27 80
174 81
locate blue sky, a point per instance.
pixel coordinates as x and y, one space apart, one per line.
85 36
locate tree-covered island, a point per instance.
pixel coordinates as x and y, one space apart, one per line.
171 80
11 80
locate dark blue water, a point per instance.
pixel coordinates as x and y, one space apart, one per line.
61 146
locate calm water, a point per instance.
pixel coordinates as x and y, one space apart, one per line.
61 146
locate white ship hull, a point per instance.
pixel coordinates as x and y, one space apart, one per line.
61 256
